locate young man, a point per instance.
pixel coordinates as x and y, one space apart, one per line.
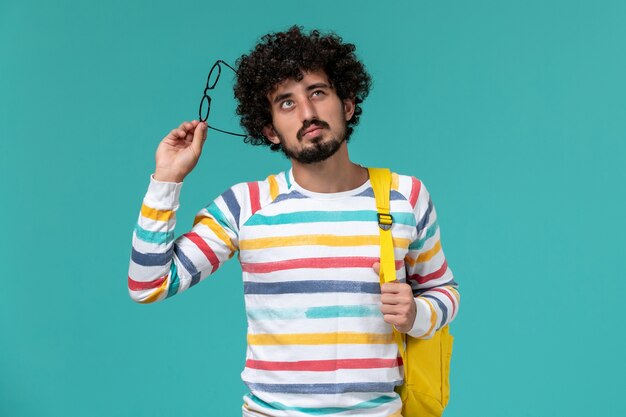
320 335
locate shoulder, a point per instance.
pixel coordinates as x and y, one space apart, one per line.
412 188
246 198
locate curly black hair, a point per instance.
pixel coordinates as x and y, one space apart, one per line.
286 55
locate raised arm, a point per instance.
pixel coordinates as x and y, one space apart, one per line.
161 265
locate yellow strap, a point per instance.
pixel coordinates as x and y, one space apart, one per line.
381 184
380 178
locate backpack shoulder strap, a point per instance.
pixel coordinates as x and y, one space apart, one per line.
381 184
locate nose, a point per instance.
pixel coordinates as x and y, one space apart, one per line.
307 110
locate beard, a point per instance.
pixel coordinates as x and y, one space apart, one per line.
320 149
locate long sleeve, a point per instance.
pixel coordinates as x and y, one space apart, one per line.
162 266
436 293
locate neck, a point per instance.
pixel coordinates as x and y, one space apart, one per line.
333 175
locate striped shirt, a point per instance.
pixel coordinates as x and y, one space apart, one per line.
317 341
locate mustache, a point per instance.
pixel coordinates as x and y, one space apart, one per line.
309 123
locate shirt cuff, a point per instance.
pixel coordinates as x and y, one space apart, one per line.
422 324
163 195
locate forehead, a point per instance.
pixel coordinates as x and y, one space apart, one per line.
290 84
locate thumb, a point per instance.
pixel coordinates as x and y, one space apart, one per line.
376 268
199 136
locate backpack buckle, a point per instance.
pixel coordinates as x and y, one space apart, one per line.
385 221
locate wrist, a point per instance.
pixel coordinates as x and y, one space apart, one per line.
166 176
422 325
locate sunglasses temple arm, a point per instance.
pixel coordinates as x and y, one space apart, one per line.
227 132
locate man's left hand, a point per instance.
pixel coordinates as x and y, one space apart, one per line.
398 305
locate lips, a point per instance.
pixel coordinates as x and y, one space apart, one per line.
312 129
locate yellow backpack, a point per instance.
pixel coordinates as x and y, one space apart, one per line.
426 388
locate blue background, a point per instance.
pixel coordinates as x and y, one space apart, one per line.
512 113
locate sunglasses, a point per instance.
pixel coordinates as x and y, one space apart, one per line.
205 103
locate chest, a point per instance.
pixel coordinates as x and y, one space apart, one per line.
323 234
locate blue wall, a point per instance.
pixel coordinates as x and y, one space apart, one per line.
512 113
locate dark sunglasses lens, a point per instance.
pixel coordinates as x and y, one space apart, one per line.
214 75
205 105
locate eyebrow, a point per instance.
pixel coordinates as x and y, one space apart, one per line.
315 86
281 97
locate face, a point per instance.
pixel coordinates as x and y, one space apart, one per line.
308 118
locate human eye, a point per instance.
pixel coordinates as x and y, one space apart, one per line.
286 104
318 93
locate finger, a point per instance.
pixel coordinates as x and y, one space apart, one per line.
391 288
182 125
399 321
376 267
391 309
178 133
392 319
396 287
189 136
390 299
174 134
199 136
397 299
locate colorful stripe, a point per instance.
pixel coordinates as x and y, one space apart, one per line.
311 287
189 266
425 218
142 286
421 279
159 238
205 249
442 306
151 259
321 240
255 201
328 365
320 338
294 194
433 317
309 389
424 256
393 194
327 216
174 280
273 187
416 186
325 312
430 232
365 405
454 291
219 216
450 297
155 214
217 229
394 181
154 296
315 263
286 175
233 205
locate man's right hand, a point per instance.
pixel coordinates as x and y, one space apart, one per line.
179 151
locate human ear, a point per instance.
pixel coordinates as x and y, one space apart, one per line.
270 134
348 108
